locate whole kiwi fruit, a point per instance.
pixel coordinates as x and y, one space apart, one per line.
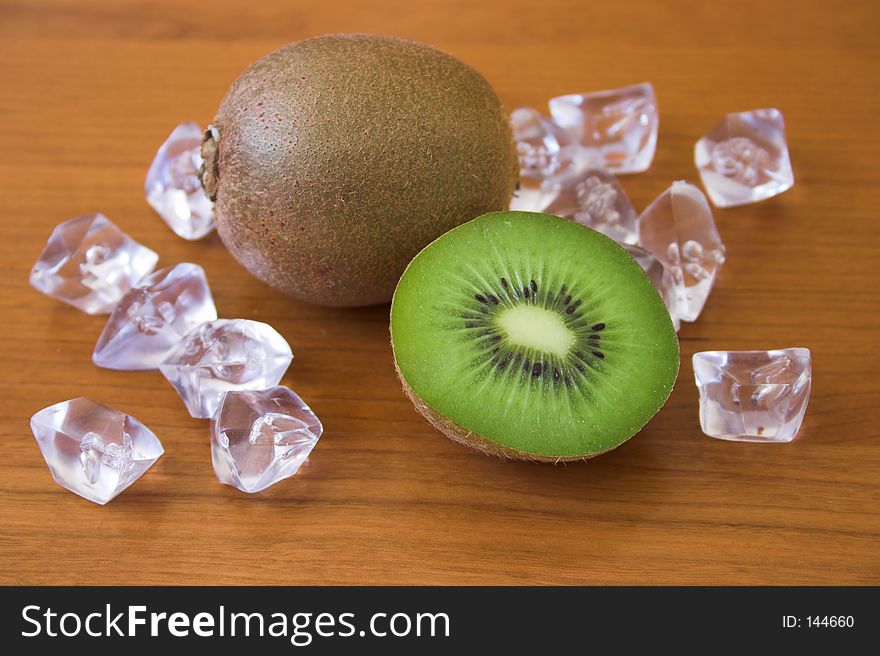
333 161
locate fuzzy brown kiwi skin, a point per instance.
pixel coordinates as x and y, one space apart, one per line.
326 186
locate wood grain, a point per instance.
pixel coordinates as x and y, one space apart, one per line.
90 89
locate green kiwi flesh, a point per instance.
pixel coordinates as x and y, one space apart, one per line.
529 336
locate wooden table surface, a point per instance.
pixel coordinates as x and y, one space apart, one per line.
90 90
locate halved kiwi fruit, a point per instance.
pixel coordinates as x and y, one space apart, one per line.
528 336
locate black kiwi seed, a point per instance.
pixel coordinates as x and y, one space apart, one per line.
504 283
480 298
599 354
595 337
525 292
598 326
493 299
567 299
533 285
536 370
570 309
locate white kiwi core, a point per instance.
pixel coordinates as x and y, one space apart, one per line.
538 328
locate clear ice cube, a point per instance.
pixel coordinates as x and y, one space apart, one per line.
594 198
153 317
618 126
753 396
92 450
173 188
225 355
679 230
259 438
662 278
558 176
547 156
744 158
539 143
90 264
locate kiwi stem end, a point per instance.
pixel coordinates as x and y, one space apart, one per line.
209 171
